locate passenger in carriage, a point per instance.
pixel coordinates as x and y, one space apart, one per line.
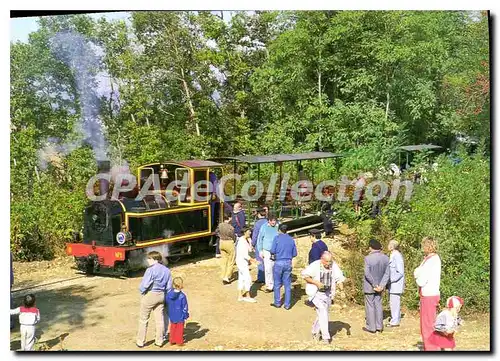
327 212
302 174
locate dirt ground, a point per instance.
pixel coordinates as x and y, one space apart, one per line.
101 313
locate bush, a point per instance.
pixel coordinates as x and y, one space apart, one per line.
454 208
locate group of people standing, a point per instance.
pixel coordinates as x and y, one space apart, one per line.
383 272
274 250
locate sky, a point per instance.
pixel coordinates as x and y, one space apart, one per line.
20 28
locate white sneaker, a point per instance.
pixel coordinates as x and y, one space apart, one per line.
241 298
249 299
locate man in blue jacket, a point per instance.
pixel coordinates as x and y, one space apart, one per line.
396 282
261 215
265 239
284 250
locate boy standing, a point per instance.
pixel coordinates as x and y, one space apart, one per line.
178 312
155 282
29 316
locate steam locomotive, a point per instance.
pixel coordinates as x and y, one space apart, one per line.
117 234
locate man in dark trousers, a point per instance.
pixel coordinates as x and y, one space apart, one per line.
261 220
318 246
238 220
284 250
374 281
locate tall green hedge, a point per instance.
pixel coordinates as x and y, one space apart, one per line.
453 206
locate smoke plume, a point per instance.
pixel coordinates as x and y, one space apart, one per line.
83 59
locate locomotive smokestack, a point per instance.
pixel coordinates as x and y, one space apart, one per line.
103 166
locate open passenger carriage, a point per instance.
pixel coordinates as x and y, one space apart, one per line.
292 200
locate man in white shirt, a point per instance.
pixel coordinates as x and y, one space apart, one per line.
428 278
321 277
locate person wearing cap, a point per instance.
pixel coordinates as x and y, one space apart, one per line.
267 234
446 325
322 276
428 279
261 220
284 250
375 279
396 282
318 246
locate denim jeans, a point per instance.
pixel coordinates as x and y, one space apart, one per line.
283 276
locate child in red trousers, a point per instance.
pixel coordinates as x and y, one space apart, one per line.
177 312
446 325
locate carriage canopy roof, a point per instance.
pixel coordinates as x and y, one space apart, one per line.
276 158
412 148
199 163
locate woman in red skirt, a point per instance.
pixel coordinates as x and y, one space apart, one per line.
447 324
428 278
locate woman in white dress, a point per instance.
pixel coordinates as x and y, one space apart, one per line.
243 259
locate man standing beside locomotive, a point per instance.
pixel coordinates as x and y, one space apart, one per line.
265 239
261 215
228 252
284 250
156 281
